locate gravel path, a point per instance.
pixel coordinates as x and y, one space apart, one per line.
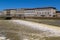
47 29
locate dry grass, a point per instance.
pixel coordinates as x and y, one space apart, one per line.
54 22
15 31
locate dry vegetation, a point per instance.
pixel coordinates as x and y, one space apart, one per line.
54 22
15 31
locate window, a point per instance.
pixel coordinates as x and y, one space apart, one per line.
54 15
48 12
8 12
43 15
49 15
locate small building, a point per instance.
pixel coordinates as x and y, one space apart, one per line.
9 12
58 14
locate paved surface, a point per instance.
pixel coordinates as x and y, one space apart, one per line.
47 29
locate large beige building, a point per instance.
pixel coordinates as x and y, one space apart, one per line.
46 12
31 12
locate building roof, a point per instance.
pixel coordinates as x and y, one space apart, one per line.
39 8
9 9
46 8
33 8
57 11
28 8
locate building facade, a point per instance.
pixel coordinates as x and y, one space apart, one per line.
1 14
58 14
32 12
46 12
9 12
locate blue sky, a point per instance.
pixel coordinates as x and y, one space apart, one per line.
7 4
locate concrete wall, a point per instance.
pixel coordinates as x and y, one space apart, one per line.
58 14
11 12
45 12
50 12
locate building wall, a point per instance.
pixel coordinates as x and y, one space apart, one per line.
37 13
29 13
45 12
5 13
58 14
9 12
1 14
20 13
13 12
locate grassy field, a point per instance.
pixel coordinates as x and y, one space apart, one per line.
54 22
7 28
15 31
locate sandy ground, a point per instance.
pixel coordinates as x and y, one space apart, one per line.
51 30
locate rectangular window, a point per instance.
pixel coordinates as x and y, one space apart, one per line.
8 13
54 15
48 13
43 15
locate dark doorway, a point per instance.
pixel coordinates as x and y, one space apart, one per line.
54 15
8 18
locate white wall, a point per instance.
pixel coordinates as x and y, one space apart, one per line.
45 12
